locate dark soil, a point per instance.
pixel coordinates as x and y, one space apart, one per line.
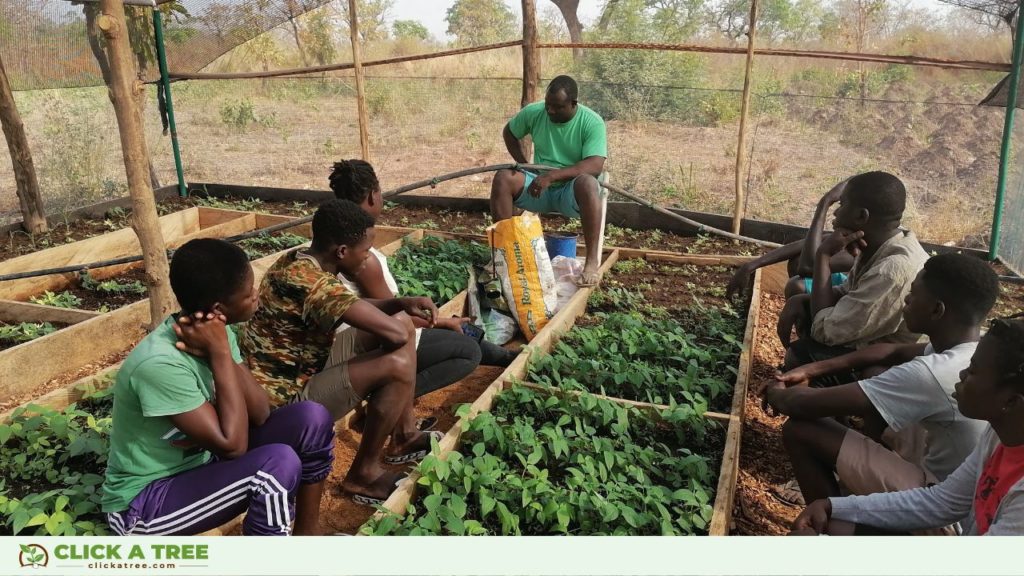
4 344
93 300
675 287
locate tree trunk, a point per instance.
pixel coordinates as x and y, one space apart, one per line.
357 64
93 34
124 89
293 12
606 15
531 54
568 9
33 217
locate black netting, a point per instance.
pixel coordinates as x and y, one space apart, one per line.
1001 8
48 43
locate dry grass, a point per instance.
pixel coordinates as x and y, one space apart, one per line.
421 127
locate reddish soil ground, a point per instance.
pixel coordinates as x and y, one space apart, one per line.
338 512
763 461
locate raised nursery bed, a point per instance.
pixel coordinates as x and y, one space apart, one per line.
712 437
523 442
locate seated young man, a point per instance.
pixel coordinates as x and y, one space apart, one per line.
947 302
986 493
799 255
291 347
866 309
193 441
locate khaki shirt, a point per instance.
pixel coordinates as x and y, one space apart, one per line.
871 308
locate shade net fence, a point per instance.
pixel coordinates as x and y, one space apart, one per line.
672 123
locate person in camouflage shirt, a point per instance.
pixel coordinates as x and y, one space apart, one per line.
293 350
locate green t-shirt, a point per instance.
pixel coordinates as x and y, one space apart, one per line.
561 145
155 382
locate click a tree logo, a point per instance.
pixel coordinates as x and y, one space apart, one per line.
33 555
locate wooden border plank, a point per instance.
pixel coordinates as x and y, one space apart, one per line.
32 364
63 397
725 495
15 311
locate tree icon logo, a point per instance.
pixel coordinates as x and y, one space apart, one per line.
33 555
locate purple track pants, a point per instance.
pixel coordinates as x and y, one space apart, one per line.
294 446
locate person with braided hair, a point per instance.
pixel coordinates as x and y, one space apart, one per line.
444 354
986 493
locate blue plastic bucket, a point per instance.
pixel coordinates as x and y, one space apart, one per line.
561 244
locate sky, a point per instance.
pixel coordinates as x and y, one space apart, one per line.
431 12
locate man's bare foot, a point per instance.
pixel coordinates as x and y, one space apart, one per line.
590 277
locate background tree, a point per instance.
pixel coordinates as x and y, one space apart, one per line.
319 34
373 19
411 29
33 217
777 20
476 22
568 8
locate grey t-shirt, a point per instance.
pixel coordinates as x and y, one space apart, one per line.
921 392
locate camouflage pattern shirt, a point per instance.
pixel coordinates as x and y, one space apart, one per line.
290 336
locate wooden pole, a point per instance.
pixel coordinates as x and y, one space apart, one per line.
531 53
357 65
124 87
741 143
33 217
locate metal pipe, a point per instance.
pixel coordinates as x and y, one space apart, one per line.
1004 150
161 56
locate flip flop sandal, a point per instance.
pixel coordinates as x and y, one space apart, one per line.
415 455
789 493
370 500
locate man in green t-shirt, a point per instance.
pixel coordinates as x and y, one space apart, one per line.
571 138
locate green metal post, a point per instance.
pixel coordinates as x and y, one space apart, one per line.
1004 151
161 57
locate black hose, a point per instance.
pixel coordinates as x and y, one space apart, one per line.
432 182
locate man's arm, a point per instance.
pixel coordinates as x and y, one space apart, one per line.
808 403
817 229
257 402
514 146
741 279
224 429
874 355
376 317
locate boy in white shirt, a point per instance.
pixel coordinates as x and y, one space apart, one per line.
948 301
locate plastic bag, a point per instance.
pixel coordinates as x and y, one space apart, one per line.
498 328
566 271
521 262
